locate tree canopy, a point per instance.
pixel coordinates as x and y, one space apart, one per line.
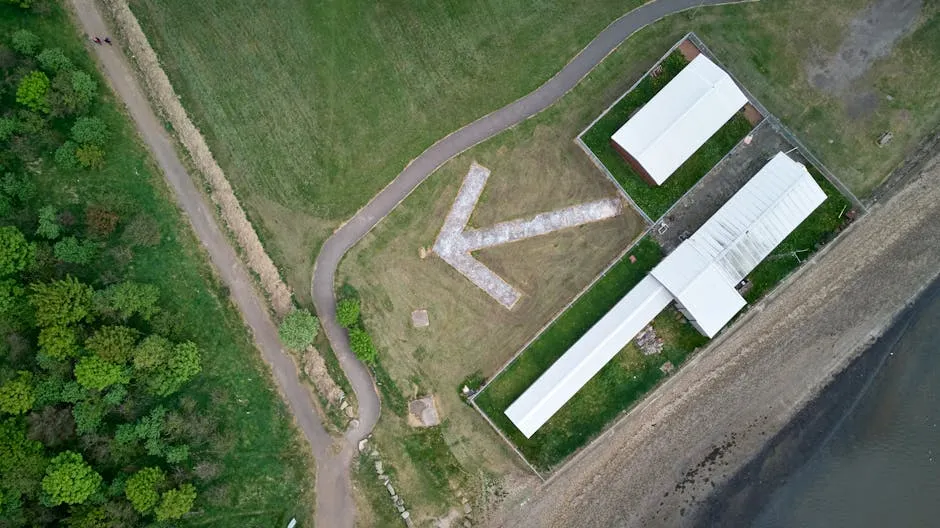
142 488
69 479
15 251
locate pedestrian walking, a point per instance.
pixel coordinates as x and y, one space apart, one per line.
97 40
108 40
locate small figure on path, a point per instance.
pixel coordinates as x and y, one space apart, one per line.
97 40
108 40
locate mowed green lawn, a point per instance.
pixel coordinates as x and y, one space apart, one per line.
312 107
265 477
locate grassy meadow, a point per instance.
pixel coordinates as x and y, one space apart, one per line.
263 475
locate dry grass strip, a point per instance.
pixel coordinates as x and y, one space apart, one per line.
168 105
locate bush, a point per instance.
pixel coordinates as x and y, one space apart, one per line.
298 330
65 155
25 42
361 343
347 312
101 222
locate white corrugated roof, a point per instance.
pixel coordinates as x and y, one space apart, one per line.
680 118
736 239
588 356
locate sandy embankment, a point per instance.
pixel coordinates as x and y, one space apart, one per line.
658 464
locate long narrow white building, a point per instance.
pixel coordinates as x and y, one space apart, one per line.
678 120
700 275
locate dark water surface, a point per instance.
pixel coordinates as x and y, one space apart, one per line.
880 465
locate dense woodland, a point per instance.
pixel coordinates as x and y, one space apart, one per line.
101 423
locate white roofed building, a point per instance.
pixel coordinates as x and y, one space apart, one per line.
703 271
678 120
700 275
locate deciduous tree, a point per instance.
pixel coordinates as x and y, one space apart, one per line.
113 343
54 60
33 91
163 367
25 42
18 394
48 223
69 479
176 502
22 462
126 299
143 488
61 302
74 251
58 342
90 156
15 251
95 373
90 131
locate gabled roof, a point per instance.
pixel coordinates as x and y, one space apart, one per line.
736 239
680 118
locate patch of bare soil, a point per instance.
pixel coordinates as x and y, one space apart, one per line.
168 105
871 35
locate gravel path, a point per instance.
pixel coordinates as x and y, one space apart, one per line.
332 473
656 465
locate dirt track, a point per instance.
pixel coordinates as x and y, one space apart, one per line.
661 460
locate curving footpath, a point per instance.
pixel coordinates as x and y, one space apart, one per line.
333 250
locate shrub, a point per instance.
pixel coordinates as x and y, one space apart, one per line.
65 155
298 330
361 344
101 222
347 312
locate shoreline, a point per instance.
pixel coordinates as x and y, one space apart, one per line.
741 499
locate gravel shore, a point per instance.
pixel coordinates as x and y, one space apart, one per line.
660 463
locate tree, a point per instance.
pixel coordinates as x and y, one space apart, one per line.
17 395
61 302
22 463
126 299
90 156
113 343
65 155
176 502
25 42
74 251
54 60
347 312
88 415
298 329
58 342
95 373
361 344
7 128
90 131
69 479
142 488
51 426
48 222
15 251
84 86
18 186
33 91
164 368
23 4
177 454
72 93
12 295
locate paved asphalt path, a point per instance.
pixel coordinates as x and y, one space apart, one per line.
335 506
324 273
334 503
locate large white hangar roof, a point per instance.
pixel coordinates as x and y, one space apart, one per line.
701 274
680 118
588 356
703 271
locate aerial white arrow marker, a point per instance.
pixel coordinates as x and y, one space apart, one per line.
455 243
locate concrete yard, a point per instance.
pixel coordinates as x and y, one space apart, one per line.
720 184
657 465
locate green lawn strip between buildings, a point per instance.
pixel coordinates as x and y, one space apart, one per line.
630 375
655 201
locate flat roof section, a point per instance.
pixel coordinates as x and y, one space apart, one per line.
679 119
588 356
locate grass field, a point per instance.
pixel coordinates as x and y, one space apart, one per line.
655 201
331 100
265 477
